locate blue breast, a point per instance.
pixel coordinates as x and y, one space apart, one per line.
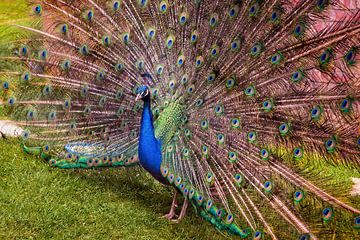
150 155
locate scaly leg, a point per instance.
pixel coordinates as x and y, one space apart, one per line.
183 211
174 205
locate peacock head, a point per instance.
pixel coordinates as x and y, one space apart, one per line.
143 93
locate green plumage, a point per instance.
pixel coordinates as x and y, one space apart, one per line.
169 121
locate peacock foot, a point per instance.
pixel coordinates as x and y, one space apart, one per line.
174 205
170 215
182 213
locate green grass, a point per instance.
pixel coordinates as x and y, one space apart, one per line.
38 202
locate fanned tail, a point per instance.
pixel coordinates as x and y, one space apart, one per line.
265 92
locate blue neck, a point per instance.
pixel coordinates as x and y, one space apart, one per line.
150 155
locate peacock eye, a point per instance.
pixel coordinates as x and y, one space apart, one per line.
264 153
31 115
172 84
140 64
211 78
101 75
250 91
235 45
330 145
251 137
84 90
159 69
204 150
299 30
284 129
199 102
253 10
163 6
316 113
350 56
151 33
47 90
258 235
23 51
102 101
125 38
232 157
65 65
357 222
116 6
325 58
274 16
214 18
5 85
11 101
233 12
267 105
25 135
64 29
327 214
199 61
106 40
276 58
170 41
142 3
345 105
89 15
87 110
84 50
214 52
119 67
321 4
190 89
219 109
268 186
184 79
204 124
256 50
181 60
230 83
297 76
194 36
43 55
37 9
26 77
298 153
183 18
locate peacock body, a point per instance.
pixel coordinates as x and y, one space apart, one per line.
241 99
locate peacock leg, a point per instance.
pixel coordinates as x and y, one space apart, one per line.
183 211
174 205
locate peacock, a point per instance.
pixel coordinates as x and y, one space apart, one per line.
237 105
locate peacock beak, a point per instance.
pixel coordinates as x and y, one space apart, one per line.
142 95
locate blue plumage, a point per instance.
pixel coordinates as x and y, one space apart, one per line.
149 147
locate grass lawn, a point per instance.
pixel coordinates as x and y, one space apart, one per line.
39 202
